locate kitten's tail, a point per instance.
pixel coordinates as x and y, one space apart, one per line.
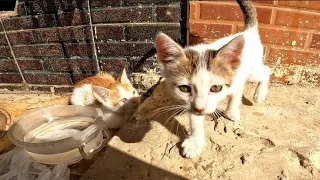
249 13
83 95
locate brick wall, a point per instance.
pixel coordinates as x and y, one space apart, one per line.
290 32
52 42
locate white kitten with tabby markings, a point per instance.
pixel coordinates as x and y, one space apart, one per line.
117 98
203 75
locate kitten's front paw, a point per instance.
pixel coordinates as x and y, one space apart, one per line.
192 146
234 114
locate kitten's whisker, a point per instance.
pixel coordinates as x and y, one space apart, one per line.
165 111
175 113
166 107
178 121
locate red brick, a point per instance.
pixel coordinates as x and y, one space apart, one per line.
263 2
15 23
231 12
112 65
315 43
25 64
293 57
168 13
17 37
148 31
240 28
46 35
282 37
10 78
100 3
76 65
74 33
38 6
110 32
109 49
148 2
30 22
80 77
77 33
281 79
209 31
192 10
78 49
194 39
122 15
300 19
4 52
74 18
8 65
301 4
38 50
30 64
63 90
46 78
45 20
124 48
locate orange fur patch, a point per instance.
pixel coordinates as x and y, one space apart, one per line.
107 81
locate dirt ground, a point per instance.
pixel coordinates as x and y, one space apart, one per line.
278 139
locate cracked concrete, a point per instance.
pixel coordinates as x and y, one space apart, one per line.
278 139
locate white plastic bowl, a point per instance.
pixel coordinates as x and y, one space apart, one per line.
59 134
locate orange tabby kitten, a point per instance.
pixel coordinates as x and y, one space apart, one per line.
117 96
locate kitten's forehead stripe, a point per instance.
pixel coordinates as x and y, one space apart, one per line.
193 57
209 55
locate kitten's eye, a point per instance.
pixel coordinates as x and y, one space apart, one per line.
185 88
124 100
216 88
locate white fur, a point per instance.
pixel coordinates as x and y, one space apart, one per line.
251 68
83 95
194 144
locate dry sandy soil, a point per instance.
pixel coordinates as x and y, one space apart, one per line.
279 139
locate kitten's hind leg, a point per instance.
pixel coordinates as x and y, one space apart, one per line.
262 75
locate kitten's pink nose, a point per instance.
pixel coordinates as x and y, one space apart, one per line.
199 110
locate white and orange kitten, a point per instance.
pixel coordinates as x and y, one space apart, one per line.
201 76
117 98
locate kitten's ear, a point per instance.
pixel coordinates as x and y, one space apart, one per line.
167 49
101 94
231 52
123 78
